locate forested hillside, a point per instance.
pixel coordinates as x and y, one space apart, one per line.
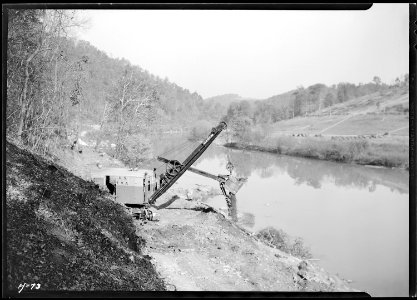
245 116
56 83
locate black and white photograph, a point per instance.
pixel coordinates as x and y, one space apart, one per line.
209 149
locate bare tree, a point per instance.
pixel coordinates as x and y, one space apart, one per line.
131 105
40 76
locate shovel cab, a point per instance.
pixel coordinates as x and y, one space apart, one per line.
132 188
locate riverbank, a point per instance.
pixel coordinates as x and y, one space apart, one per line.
387 152
196 248
66 235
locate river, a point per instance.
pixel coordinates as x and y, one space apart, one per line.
354 219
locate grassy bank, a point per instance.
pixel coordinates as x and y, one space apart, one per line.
387 153
66 235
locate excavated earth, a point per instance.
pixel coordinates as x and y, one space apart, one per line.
85 244
63 234
196 248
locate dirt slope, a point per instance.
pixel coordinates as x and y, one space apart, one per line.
195 247
64 234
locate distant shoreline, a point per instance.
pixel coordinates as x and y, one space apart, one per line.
327 151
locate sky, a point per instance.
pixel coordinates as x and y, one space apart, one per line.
256 53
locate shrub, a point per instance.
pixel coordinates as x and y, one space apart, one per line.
254 135
240 129
274 237
136 149
280 240
357 147
389 154
299 249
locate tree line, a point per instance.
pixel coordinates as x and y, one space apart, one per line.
245 116
56 83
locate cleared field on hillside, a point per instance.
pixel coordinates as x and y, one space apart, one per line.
355 125
360 116
369 103
370 124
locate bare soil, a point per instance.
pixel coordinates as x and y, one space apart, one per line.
194 247
75 237
63 234
197 248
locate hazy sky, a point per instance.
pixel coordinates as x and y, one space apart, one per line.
256 53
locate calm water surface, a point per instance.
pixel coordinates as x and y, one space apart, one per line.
353 218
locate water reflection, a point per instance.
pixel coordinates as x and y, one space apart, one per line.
354 218
312 172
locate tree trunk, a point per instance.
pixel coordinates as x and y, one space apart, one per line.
23 98
103 119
